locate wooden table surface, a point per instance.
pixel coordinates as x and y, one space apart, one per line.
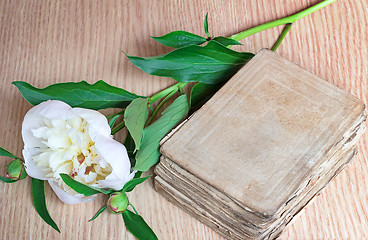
44 42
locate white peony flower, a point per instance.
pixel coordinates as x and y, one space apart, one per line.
76 141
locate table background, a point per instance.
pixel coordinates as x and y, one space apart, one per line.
44 42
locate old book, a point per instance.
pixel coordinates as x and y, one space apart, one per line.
261 148
215 215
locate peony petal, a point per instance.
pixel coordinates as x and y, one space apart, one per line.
68 198
34 119
115 154
98 124
50 141
31 168
58 140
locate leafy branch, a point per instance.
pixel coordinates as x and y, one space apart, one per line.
207 61
118 203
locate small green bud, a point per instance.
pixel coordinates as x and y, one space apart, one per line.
16 170
118 202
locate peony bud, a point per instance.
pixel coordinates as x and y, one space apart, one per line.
118 202
16 170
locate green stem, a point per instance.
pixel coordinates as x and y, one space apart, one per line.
160 105
166 91
115 114
286 20
282 36
118 128
133 208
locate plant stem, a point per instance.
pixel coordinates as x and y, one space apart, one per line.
114 114
118 128
286 20
113 121
166 91
160 105
282 36
133 208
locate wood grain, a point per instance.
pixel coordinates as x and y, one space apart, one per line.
45 42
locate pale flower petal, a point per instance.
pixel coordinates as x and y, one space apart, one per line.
35 116
98 124
75 141
115 154
31 168
69 198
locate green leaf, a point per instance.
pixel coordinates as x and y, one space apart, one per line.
6 153
148 155
201 92
226 41
130 146
80 187
206 25
95 96
98 213
7 180
135 117
178 39
129 186
38 192
131 156
210 64
113 121
129 143
23 175
137 226
138 174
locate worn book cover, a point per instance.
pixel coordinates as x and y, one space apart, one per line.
267 135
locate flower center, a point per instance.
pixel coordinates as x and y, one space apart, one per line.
66 147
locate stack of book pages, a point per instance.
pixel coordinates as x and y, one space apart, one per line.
255 154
